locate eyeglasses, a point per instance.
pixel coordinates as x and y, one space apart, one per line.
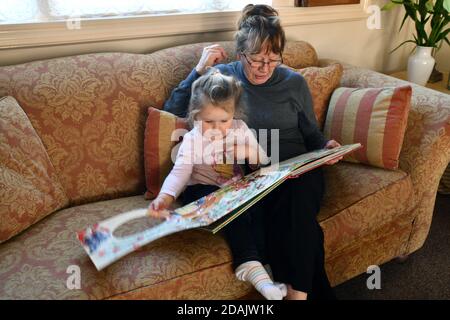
260 64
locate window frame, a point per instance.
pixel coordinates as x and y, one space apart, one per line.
127 28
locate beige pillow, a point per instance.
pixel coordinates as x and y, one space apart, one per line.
29 187
322 81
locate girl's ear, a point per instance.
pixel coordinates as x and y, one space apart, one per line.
238 56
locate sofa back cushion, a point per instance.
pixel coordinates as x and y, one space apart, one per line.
29 186
90 110
90 113
374 117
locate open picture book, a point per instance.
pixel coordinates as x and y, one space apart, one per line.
211 212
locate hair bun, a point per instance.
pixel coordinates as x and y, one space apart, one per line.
260 10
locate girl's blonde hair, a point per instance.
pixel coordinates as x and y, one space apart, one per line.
216 88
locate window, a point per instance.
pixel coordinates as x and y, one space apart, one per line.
318 3
34 23
26 11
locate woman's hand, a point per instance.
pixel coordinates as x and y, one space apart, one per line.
211 55
158 207
330 145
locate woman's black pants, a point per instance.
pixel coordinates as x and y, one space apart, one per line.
282 230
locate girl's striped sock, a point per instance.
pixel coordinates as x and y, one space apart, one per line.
254 272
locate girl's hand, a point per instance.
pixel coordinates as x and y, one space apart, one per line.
211 55
242 152
157 208
330 145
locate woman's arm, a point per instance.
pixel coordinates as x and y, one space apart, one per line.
179 98
307 123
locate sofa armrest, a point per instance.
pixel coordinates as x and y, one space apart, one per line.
426 148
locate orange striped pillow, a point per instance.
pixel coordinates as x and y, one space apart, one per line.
374 117
158 148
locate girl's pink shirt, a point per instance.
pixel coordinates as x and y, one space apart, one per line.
200 160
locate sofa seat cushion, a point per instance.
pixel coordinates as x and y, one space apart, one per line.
34 264
360 198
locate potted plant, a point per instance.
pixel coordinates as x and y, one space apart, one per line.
431 18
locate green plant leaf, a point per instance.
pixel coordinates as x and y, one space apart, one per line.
389 6
401 45
447 5
403 22
429 5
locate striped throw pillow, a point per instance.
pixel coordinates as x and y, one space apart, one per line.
158 146
374 117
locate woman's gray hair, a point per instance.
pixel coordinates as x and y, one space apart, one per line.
259 27
215 88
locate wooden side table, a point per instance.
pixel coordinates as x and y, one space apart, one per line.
444 185
439 86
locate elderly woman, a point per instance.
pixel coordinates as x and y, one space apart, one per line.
281 230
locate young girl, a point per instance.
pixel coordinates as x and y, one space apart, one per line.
206 160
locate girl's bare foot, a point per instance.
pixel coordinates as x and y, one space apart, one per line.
294 294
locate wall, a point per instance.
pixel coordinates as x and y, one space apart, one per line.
349 41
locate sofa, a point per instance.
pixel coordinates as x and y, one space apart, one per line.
89 112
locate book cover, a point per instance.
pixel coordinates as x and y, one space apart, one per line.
211 212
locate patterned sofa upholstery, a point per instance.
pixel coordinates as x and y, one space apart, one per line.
90 111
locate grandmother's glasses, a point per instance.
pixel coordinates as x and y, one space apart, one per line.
260 64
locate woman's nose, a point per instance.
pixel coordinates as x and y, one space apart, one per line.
265 67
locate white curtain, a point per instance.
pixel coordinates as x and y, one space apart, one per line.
24 11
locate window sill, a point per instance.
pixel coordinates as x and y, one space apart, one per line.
110 29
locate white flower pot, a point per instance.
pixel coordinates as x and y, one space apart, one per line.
420 65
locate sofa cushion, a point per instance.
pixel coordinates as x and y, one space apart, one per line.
29 186
158 146
180 266
34 264
359 199
374 117
321 83
90 112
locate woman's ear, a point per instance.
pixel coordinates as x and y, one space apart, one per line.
238 56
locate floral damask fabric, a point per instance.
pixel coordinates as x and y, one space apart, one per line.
353 208
29 186
321 83
33 265
426 147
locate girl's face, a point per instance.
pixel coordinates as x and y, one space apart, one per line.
216 119
258 68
